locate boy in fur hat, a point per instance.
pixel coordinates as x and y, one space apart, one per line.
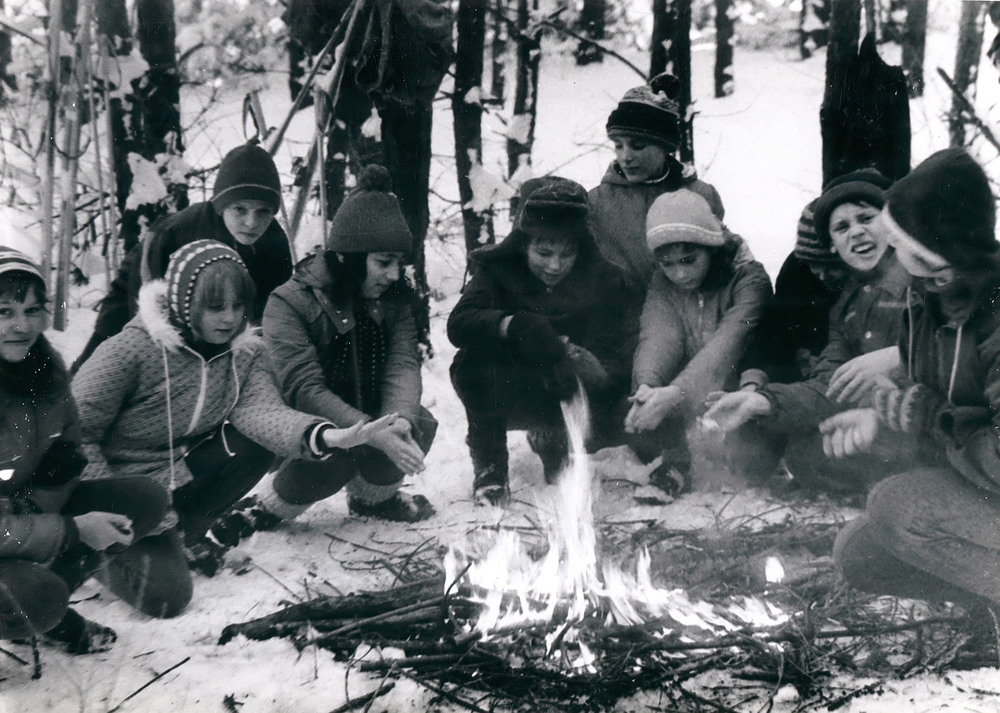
930 531
245 199
182 396
542 309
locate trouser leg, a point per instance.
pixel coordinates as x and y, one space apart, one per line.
151 575
33 599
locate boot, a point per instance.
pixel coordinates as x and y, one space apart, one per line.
247 517
77 635
401 507
552 447
489 485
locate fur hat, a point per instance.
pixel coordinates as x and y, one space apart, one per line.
682 216
809 247
370 219
12 260
247 173
650 112
866 185
552 207
947 206
186 263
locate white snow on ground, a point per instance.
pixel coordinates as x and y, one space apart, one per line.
761 149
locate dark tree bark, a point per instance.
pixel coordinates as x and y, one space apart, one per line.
723 48
671 52
871 21
6 78
525 91
498 53
814 22
591 22
468 115
967 55
845 29
914 38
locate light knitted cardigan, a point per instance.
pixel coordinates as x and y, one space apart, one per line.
146 398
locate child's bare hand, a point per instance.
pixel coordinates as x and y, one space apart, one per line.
650 406
398 444
849 432
104 530
358 434
854 380
729 411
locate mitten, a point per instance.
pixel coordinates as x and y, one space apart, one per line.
590 370
533 340
561 381
912 410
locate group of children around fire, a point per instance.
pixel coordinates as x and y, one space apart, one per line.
217 367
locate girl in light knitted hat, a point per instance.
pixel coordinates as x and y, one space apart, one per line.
343 345
183 397
699 315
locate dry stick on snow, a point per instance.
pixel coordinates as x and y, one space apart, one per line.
969 109
367 699
458 700
149 683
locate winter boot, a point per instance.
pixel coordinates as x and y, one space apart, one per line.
205 555
247 517
552 447
401 507
77 635
489 485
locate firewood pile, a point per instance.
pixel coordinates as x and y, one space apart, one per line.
712 656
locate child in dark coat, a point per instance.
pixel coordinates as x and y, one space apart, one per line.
241 214
55 528
542 309
698 319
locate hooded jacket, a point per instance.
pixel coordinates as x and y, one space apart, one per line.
867 317
587 306
39 456
617 212
146 398
696 339
300 323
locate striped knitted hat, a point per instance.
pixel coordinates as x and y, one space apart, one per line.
12 260
682 217
247 173
182 273
650 112
809 247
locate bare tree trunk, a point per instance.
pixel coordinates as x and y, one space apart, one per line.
967 55
521 135
670 51
592 26
814 22
914 38
6 78
845 29
467 112
498 52
871 21
723 48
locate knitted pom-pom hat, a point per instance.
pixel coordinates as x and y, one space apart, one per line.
809 247
186 263
12 260
947 206
552 208
247 173
370 219
866 185
650 112
682 216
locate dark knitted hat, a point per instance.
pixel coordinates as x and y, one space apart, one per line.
808 245
247 173
947 206
866 185
370 219
650 112
12 260
186 263
552 207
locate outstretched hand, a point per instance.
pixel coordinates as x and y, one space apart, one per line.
729 411
103 530
859 377
358 434
650 405
397 443
849 432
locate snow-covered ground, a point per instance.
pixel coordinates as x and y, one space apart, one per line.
760 148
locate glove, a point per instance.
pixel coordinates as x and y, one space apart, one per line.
561 382
533 340
587 367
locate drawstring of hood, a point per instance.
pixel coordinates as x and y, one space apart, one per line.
956 356
954 364
170 420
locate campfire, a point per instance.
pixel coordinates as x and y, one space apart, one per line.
552 624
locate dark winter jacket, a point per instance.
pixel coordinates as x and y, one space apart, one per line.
796 317
617 213
40 461
269 261
959 361
866 318
587 307
301 322
146 398
696 339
